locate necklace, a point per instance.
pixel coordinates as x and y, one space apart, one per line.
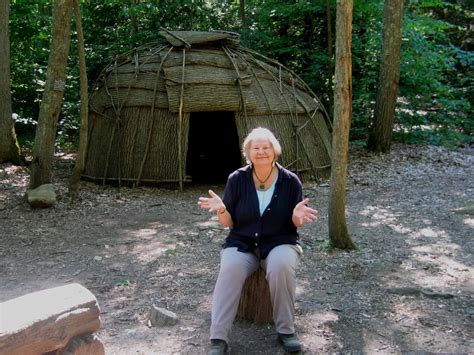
262 182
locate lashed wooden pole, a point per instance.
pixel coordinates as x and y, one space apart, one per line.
180 125
150 130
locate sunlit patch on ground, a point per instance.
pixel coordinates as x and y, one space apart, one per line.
469 222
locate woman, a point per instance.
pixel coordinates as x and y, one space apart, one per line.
263 206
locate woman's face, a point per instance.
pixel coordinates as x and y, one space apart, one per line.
261 152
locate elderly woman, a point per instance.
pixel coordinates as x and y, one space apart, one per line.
263 206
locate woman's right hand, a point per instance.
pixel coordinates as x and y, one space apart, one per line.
213 203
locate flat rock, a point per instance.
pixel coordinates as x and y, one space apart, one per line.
160 317
43 196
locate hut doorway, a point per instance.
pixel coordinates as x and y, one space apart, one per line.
213 147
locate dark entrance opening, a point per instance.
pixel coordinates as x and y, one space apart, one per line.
213 147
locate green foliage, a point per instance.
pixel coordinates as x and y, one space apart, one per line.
293 32
29 38
434 101
434 105
366 44
436 79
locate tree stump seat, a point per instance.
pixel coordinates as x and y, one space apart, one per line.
255 303
60 320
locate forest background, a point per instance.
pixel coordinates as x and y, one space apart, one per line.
408 288
435 94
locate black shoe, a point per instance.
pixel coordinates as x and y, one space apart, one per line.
290 342
218 347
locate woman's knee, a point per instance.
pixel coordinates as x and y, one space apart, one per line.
233 271
237 267
282 260
281 267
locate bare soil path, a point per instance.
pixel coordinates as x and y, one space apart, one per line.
409 287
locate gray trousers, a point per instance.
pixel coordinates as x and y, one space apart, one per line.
280 266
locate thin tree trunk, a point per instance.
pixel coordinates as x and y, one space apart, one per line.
329 27
380 137
330 49
84 110
9 149
43 150
133 19
338 233
242 16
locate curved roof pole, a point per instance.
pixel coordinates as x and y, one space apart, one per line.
297 129
300 81
150 130
236 68
116 123
180 126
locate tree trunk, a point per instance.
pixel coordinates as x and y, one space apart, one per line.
133 18
338 234
330 49
243 19
43 150
9 149
380 137
84 111
329 27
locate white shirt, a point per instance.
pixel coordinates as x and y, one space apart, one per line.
264 197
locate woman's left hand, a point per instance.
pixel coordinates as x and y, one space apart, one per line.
303 214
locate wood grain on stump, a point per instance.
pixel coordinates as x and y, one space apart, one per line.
255 304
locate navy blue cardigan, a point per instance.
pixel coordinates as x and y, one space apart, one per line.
275 227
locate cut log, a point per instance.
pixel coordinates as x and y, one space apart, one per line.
46 320
255 303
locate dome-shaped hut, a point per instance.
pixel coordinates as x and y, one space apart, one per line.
178 111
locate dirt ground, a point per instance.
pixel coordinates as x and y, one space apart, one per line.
409 287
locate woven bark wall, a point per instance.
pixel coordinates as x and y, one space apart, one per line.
215 58
210 81
314 145
126 88
141 139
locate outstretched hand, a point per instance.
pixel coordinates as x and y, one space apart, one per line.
212 203
304 214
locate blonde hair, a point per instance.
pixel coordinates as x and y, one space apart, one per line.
260 133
